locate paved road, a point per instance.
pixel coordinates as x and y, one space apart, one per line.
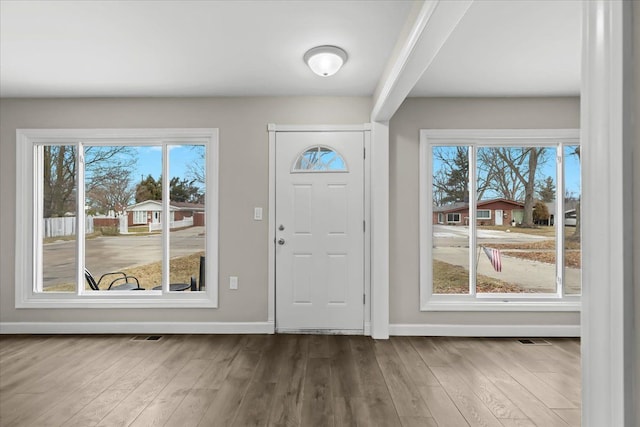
104 254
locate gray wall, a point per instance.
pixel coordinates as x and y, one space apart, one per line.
243 185
448 113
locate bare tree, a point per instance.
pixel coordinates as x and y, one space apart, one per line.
114 193
60 171
511 172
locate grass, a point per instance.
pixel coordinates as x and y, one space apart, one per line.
150 275
454 279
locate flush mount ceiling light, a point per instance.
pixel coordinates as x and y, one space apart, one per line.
325 61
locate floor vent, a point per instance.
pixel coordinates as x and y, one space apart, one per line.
147 338
533 341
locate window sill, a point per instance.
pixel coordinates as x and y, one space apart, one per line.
493 305
117 299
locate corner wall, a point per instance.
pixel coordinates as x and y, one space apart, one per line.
454 113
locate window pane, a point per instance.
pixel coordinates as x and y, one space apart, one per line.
450 191
572 240
516 244
320 159
187 194
59 218
123 198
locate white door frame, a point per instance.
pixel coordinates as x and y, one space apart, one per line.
272 129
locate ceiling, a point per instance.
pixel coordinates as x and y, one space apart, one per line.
255 48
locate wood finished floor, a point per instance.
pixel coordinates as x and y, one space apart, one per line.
287 380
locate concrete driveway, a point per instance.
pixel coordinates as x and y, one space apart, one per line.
106 253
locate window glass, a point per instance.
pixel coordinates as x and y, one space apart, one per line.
320 159
187 192
123 198
572 229
516 254
58 217
450 191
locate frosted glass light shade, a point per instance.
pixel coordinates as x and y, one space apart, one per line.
325 61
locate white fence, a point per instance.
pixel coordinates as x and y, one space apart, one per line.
64 226
186 222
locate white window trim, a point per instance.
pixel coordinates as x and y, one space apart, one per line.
27 240
137 215
484 302
454 221
483 210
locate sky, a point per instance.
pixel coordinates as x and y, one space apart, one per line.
150 161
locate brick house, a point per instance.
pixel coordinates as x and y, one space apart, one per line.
488 212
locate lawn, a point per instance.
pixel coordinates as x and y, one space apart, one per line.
150 275
542 230
454 279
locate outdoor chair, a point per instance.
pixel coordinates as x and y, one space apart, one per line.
200 283
119 276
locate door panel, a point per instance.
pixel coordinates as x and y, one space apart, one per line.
320 249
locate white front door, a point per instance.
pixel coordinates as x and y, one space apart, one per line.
498 213
319 231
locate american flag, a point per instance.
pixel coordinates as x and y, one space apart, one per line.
494 257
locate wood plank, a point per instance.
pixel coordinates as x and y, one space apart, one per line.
573 417
255 407
376 393
224 408
317 402
533 408
418 422
345 381
351 412
192 408
442 408
413 363
287 402
497 402
471 407
161 408
406 396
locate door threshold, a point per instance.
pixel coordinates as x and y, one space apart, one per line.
313 331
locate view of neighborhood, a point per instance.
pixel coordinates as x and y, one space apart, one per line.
516 213
123 215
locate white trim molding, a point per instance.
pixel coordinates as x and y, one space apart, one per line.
607 307
473 138
475 330
136 328
28 238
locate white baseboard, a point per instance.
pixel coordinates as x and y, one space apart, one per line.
485 330
136 328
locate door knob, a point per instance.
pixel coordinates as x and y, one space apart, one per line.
281 241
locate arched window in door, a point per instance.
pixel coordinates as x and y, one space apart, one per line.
320 159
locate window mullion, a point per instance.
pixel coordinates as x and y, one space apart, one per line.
38 229
166 217
559 223
472 219
80 218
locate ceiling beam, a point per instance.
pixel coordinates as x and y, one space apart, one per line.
434 22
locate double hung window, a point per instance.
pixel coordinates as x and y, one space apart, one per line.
511 235
118 217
